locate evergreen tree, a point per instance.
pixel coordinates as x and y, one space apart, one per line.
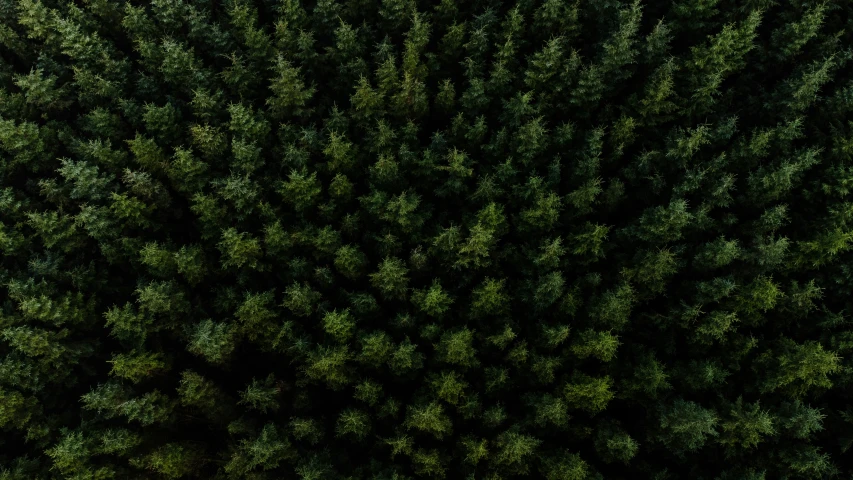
397 240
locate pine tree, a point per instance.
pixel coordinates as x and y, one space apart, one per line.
390 240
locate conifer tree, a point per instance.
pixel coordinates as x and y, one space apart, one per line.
399 240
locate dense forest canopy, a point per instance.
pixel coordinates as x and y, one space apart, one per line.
405 239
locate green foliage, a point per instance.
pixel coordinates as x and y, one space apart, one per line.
428 463
718 253
354 423
301 299
476 450
136 366
350 261
565 466
514 450
190 262
798 367
433 301
17 409
405 358
128 324
664 224
686 426
745 426
449 386
791 37
599 344
261 395
490 298
614 444
171 460
400 240
457 348
300 189
306 428
329 365
211 340
265 451
368 392
289 92
376 348
239 249
391 278
199 393
339 326
589 393
429 418
613 308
